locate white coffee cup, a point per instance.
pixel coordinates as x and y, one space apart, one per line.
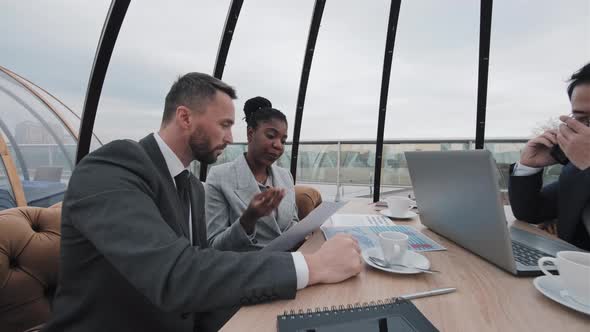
574 272
398 205
394 246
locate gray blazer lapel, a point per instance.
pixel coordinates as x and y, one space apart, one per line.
283 180
246 184
247 188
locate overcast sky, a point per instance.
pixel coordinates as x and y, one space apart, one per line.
535 46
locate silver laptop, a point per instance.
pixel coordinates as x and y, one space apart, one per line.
458 196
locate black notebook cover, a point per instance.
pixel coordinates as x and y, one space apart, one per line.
397 315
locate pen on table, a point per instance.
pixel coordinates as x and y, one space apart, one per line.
438 291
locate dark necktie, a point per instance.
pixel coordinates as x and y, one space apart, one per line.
182 188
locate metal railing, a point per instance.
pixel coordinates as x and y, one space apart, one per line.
351 163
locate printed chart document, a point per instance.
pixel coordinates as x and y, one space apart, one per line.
368 237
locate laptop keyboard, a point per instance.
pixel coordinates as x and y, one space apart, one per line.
526 255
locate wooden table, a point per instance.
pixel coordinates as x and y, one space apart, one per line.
487 298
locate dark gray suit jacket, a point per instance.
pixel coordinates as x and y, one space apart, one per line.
564 199
126 261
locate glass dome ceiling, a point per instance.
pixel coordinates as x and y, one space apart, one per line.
38 140
431 101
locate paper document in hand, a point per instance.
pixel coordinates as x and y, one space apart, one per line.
367 236
297 233
349 220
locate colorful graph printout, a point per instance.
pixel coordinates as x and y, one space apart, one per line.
368 238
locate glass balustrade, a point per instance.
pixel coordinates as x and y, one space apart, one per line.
345 169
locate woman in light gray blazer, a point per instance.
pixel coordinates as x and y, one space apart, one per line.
251 201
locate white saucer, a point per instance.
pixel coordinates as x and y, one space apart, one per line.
408 215
411 259
553 289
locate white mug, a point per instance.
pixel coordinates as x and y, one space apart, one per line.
574 272
398 205
394 246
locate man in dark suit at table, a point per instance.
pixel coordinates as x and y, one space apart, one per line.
134 253
568 199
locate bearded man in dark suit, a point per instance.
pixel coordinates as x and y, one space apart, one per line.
134 253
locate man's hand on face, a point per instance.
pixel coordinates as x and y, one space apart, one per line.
262 204
536 151
574 139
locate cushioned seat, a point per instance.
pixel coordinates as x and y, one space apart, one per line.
307 199
29 262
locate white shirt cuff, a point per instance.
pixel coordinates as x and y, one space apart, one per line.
301 270
523 170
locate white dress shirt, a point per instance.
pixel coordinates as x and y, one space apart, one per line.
175 167
523 170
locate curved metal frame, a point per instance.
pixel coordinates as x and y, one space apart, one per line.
104 50
43 123
312 37
12 174
44 101
387 59
226 37
485 31
228 32
19 155
55 111
116 16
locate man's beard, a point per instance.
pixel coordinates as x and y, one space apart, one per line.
201 148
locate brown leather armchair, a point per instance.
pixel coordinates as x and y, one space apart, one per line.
307 199
29 263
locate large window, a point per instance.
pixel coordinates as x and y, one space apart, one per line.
52 43
433 88
44 44
535 47
39 144
343 95
158 42
265 59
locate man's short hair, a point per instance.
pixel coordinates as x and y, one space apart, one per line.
193 90
582 76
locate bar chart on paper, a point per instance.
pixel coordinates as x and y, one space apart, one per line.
367 236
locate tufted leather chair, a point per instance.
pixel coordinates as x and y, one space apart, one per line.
29 258
307 199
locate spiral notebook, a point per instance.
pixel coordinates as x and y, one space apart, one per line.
397 314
